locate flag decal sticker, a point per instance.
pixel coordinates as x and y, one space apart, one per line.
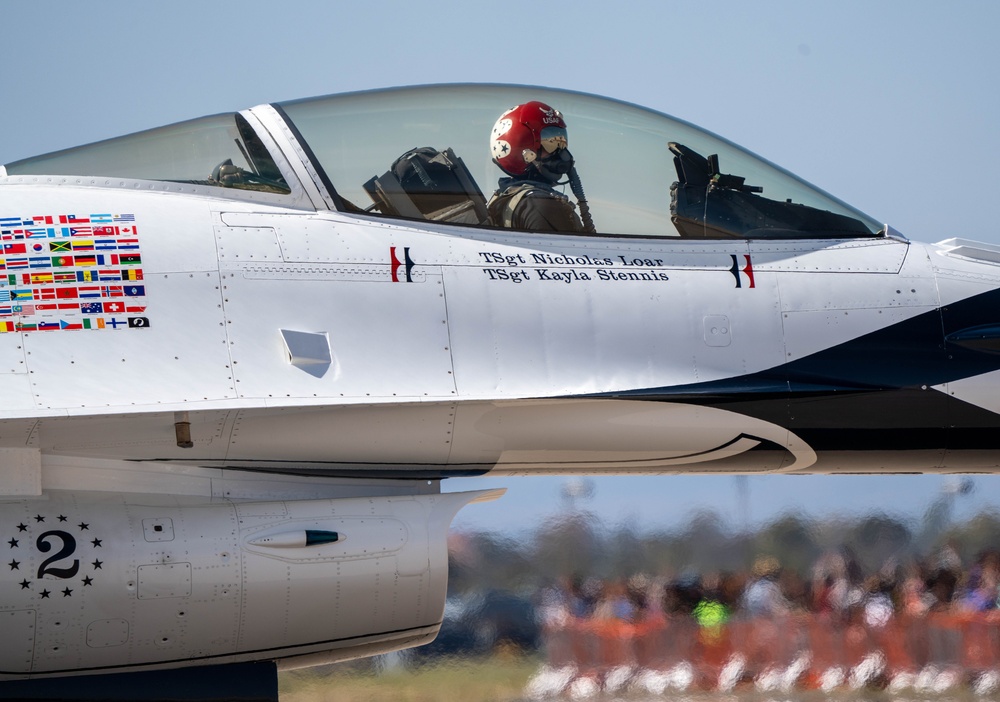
71 272
405 266
747 270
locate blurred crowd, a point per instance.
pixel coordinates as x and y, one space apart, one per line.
822 605
836 589
929 626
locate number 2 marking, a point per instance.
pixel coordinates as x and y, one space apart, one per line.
67 550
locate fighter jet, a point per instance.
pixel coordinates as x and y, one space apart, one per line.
239 354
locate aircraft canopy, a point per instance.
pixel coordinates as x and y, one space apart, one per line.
644 173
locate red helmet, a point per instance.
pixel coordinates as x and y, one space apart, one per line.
523 131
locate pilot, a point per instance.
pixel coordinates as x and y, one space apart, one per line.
529 143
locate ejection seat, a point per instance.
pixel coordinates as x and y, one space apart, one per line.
425 183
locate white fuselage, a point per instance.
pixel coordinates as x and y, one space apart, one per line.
296 339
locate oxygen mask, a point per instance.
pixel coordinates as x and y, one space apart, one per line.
555 165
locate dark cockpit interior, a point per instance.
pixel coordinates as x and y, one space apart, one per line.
708 204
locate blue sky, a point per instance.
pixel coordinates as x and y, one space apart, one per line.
893 107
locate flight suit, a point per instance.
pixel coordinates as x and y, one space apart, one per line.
533 206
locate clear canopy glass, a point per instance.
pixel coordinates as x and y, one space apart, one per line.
222 150
643 173
632 161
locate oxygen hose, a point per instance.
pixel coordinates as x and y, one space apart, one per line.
577 187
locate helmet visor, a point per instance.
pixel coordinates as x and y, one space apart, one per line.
553 138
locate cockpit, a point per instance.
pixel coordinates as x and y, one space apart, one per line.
423 153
